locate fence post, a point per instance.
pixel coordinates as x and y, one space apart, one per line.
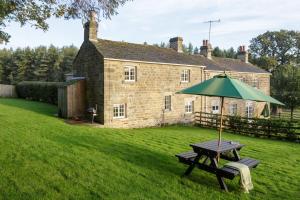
200 118
269 128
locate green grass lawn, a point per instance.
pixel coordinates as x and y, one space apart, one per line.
41 157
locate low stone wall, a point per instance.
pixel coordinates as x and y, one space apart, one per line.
8 91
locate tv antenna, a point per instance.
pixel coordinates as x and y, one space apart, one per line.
210 22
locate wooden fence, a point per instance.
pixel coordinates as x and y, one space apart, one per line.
8 91
285 114
271 128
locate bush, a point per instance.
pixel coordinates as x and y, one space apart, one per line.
271 128
38 91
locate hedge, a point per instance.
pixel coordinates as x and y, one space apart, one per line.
271 128
38 91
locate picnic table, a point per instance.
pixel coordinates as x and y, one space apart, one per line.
204 156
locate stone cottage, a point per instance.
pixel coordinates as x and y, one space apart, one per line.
135 85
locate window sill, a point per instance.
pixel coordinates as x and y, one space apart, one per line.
188 113
119 118
129 82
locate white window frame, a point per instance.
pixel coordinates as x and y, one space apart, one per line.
168 103
185 76
119 111
189 107
233 109
249 112
130 73
255 83
215 104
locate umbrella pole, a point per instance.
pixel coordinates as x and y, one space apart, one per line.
220 128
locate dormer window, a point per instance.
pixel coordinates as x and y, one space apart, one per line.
185 76
130 73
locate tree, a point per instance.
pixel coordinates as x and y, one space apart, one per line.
265 62
279 53
36 12
196 50
230 53
185 49
280 45
190 49
41 63
285 84
163 45
217 52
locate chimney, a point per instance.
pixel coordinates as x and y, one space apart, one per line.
243 54
206 49
91 27
176 44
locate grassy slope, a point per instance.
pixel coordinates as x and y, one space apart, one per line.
42 157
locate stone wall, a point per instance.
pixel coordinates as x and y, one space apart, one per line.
89 64
263 85
144 98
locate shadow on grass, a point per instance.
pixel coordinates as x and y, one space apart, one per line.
141 156
33 106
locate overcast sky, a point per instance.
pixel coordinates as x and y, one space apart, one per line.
154 21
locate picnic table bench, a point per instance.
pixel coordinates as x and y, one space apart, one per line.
204 156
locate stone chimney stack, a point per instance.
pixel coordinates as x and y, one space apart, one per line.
91 27
176 44
206 49
243 54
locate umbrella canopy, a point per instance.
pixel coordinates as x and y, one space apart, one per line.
224 86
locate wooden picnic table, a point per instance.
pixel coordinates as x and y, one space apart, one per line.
204 156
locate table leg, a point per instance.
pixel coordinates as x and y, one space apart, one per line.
236 155
220 179
192 166
222 183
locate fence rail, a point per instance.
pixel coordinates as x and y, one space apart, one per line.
286 115
271 128
8 91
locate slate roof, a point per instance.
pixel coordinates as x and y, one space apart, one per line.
150 53
237 65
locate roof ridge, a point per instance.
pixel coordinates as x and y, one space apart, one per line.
150 53
147 45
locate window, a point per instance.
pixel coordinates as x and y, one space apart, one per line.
119 111
255 83
189 106
168 102
233 109
130 73
185 76
249 109
242 79
215 107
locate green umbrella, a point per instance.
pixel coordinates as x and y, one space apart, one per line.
224 86
266 111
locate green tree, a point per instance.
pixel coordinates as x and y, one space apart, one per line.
190 49
36 12
230 53
217 52
196 50
65 66
279 53
279 45
286 86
